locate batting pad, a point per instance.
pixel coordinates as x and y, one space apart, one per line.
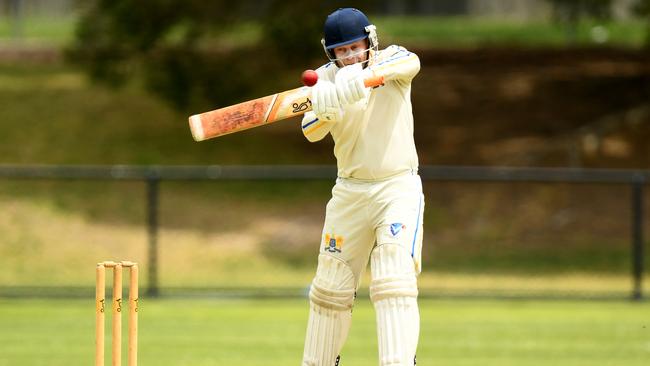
330 314
393 291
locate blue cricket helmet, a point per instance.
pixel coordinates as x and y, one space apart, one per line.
344 26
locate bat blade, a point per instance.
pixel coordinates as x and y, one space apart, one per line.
257 112
250 114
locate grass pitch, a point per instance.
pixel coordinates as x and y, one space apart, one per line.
270 332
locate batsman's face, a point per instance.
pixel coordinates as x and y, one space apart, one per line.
352 53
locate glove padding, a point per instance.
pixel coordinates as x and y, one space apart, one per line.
325 101
349 84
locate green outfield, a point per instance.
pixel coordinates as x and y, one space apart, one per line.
424 31
270 332
469 32
55 30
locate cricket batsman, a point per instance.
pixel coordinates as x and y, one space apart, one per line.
375 213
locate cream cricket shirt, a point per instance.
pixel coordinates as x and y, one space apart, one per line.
374 139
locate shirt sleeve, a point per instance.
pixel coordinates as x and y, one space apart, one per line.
313 128
399 64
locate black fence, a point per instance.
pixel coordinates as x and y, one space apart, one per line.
153 175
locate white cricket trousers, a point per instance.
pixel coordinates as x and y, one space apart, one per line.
361 215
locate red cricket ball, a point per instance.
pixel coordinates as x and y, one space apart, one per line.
309 77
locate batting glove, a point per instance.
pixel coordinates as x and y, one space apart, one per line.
349 84
325 101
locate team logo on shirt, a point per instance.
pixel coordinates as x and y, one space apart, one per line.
333 243
396 228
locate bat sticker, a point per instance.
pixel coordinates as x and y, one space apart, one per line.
302 106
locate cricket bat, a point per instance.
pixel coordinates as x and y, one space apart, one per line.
257 112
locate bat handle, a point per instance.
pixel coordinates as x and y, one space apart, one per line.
373 81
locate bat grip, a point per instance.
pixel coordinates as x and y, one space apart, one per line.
373 81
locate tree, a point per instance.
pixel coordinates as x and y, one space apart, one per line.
192 52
